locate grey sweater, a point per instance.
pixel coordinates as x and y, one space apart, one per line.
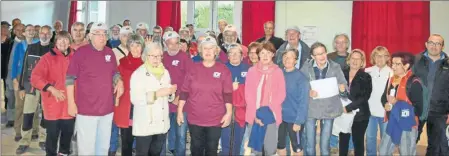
326 108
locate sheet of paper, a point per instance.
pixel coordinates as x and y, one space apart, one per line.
309 34
325 87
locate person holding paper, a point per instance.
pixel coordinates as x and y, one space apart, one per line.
359 91
323 109
265 87
295 105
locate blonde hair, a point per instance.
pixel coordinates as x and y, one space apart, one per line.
359 51
376 51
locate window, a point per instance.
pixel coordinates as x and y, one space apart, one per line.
91 11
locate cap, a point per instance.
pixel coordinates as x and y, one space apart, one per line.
6 23
169 35
126 30
142 25
116 25
184 29
230 27
209 40
293 28
98 26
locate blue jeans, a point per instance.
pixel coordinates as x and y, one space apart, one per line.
245 139
334 142
374 124
237 141
114 138
326 132
177 135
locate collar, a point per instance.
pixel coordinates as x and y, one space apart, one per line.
442 56
16 39
316 65
299 45
93 48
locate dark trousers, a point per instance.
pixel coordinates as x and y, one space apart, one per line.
358 138
437 140
62 130
149 145
204 140
127 141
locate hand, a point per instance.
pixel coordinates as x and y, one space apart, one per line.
148 39
119 89
296 128
22 94
391 99
180 118
387 107
173 88
344 110
313 93
176 101
258 121
73 110
235 85
164 92
226 120
15 84
447 121
58 94
342 88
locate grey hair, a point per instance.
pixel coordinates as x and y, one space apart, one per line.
346 38
149 48
76 24
135 39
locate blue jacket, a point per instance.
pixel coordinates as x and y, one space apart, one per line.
19 55
296 103
257 136
402 118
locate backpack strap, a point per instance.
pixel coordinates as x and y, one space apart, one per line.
121 51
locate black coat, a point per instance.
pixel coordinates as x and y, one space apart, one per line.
359 93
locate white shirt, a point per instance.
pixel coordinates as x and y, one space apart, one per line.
379 79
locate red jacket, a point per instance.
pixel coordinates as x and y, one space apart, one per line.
238 100
122 112
51 71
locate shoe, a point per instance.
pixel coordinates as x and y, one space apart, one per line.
334 151
111 153
351 153
34 137
42 145
134 151
21 149
9 124
17 138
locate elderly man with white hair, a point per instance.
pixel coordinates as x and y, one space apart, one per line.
121 50
94 70
293 37
142 29
184 33
230 37
57 26
78 34
114 40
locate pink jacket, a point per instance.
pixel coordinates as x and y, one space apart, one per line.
277 88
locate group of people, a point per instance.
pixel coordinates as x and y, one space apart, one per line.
98 84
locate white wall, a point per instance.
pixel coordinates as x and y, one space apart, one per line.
439 19
136 11
30 12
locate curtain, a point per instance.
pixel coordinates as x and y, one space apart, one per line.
399 26
72 14
169 14
254 15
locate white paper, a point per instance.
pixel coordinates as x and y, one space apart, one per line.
343 123
325 88
309 34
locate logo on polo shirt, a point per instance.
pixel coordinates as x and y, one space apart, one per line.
169 35
107 58
405 113
175 62
243 74
217 74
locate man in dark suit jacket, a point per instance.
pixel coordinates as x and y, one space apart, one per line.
269 37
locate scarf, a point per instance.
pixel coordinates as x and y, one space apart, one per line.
156 71
266 80
131 63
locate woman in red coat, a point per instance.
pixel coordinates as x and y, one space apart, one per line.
123 112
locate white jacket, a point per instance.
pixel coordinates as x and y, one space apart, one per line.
149 119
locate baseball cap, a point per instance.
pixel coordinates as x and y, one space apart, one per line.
209 40
230 27
126 30
184 29
169 35
142 25
6 23
296 28
98 26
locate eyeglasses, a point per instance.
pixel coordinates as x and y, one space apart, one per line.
101 35
155 56
434 43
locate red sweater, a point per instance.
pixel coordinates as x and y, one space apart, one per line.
51 71
127 66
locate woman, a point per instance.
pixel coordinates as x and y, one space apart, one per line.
123 112
264 93
49 77
239 69
184 46
207 95
380 72
402 87
359 90
295 105
323 109
253 55
150 88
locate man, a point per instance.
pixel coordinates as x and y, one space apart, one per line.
157 34
142 29
230 36
37 28
431 67
293 35
126 22
30 95
268 27
114 41
57 26
341 46
10 94
177 63
88 27
191 29
95 95
6 40
221 26
15 21
122 50
184 33
168 28
16 73
78 35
